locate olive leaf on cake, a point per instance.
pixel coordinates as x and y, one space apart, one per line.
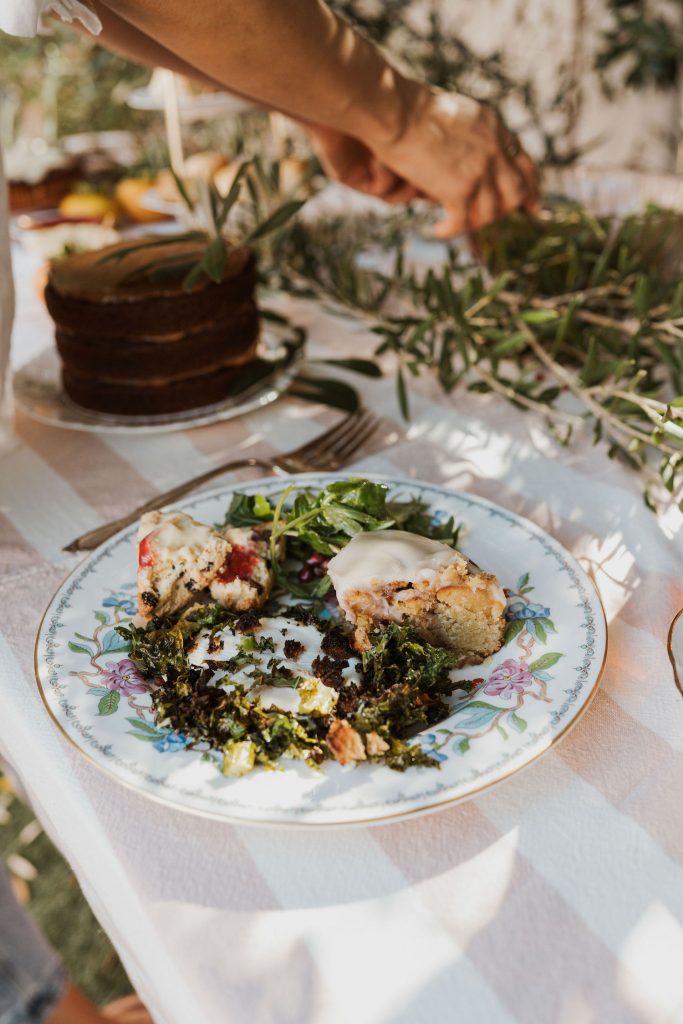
163 324
214 240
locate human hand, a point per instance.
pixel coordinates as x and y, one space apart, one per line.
128 1010
350 161
460 154
74 1008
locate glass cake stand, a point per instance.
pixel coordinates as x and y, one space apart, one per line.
38 392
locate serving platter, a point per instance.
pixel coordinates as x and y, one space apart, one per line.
524 699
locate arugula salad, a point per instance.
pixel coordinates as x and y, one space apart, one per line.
284 680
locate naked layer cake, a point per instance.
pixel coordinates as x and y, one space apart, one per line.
38 175
133 341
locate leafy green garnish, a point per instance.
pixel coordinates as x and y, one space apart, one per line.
248 510
328 519
399 655
211 715
414 515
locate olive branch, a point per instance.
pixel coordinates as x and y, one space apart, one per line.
579 318
212 210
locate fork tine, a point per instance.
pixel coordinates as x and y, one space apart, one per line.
323 439
360 439
331 445
337 457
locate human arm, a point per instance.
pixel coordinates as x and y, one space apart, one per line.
344 157
298 57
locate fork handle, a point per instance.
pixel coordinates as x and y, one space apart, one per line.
90 540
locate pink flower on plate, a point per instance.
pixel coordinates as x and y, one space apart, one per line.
124 676
509 678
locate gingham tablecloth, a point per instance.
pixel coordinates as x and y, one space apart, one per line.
554 897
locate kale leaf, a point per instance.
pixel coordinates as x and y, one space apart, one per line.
399 656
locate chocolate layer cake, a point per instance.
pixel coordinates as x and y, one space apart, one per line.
38 175
134 342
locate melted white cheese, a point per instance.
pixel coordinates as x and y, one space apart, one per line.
226 645
389 556
181 535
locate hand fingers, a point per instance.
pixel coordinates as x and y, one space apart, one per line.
385 184
451 225
516 171
489 204
530 172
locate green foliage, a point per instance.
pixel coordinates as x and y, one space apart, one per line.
326 520
565 305
647 42
398 655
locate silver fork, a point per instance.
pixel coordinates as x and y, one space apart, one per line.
326 453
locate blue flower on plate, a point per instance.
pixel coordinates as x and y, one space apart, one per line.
171 743
428 744
121 600
520 610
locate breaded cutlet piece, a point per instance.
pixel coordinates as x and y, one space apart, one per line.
395 576
245 579
177 558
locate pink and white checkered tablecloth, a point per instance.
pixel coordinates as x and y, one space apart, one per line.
554 897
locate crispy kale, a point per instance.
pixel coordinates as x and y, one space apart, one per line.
404 680
160 648
399 656
223 718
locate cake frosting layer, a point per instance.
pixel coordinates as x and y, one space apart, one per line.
395 576
134 341
230 342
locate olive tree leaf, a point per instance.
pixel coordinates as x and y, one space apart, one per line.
277 220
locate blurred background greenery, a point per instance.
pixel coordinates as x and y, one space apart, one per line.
44 883
65 83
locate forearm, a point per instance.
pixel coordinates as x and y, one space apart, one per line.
126 40
340 80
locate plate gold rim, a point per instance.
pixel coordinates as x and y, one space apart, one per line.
436 805
669 651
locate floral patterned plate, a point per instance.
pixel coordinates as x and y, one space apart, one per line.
524 699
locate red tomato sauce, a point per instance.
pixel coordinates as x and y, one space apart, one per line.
239 565
145 553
